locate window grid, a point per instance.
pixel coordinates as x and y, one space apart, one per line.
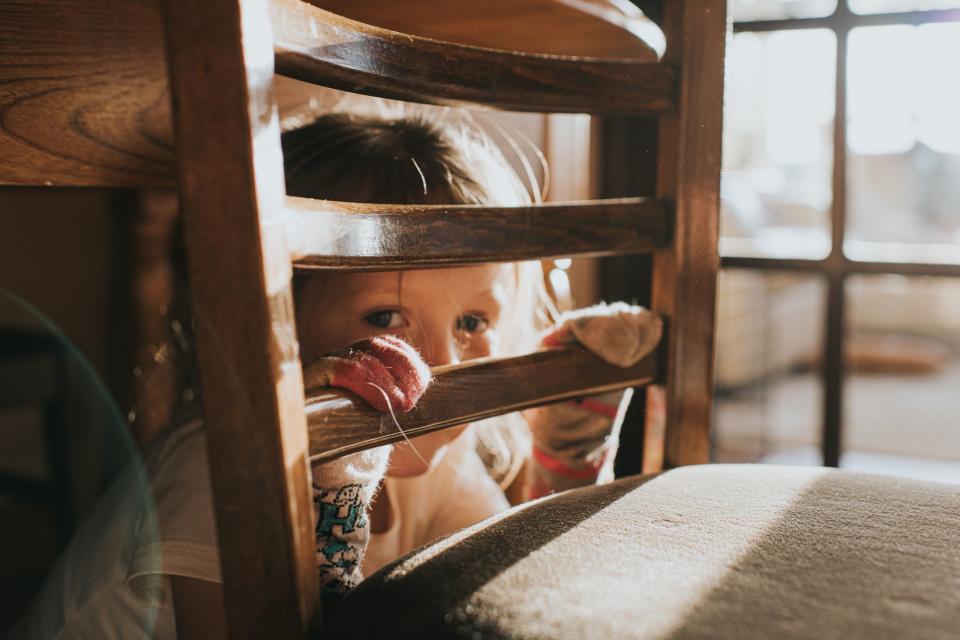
836 267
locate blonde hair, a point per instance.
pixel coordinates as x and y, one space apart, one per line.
408 159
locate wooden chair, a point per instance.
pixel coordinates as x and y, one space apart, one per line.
100 86
702 551
244 234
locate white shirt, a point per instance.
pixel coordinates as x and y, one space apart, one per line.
454 493
113 581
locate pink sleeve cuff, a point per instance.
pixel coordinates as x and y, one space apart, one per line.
562 468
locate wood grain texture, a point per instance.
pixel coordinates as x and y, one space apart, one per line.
593 28
232 190
628 148
152 237
339 423
85 97
324 234
83 94
684 277
321 47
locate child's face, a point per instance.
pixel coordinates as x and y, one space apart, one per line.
449 315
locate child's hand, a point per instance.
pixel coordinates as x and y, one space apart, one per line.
386 372
574 443
379 369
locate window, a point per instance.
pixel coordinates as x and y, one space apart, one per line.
838 339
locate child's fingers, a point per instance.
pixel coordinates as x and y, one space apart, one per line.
558 337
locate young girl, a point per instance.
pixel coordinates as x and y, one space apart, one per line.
448 315
375 334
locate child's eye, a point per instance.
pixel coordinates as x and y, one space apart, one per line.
386 319
472 323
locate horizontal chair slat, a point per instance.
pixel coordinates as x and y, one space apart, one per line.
339 423
326 235
320 47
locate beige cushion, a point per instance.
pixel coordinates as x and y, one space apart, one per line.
714 551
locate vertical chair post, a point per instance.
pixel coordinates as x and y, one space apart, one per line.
684 276
231 186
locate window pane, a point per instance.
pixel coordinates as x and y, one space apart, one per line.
903 146
744 10
778 144
903 360
884 6
768 395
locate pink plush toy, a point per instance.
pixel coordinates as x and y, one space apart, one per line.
376 369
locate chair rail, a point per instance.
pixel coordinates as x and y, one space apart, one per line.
320 47
339 423
340 235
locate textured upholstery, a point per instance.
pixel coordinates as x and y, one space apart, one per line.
715 551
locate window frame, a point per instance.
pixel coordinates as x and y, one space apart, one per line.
836 267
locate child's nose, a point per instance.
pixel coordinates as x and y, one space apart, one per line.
441 351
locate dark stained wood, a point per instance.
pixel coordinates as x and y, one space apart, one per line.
843 265
628 159
833 370
843 19
593 28
85 97
231 188
84 94
324 235
684 277
321 47
150 283
461 393
833 366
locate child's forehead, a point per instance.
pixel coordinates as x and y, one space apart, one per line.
474 278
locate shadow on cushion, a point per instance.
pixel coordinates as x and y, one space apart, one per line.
716 551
